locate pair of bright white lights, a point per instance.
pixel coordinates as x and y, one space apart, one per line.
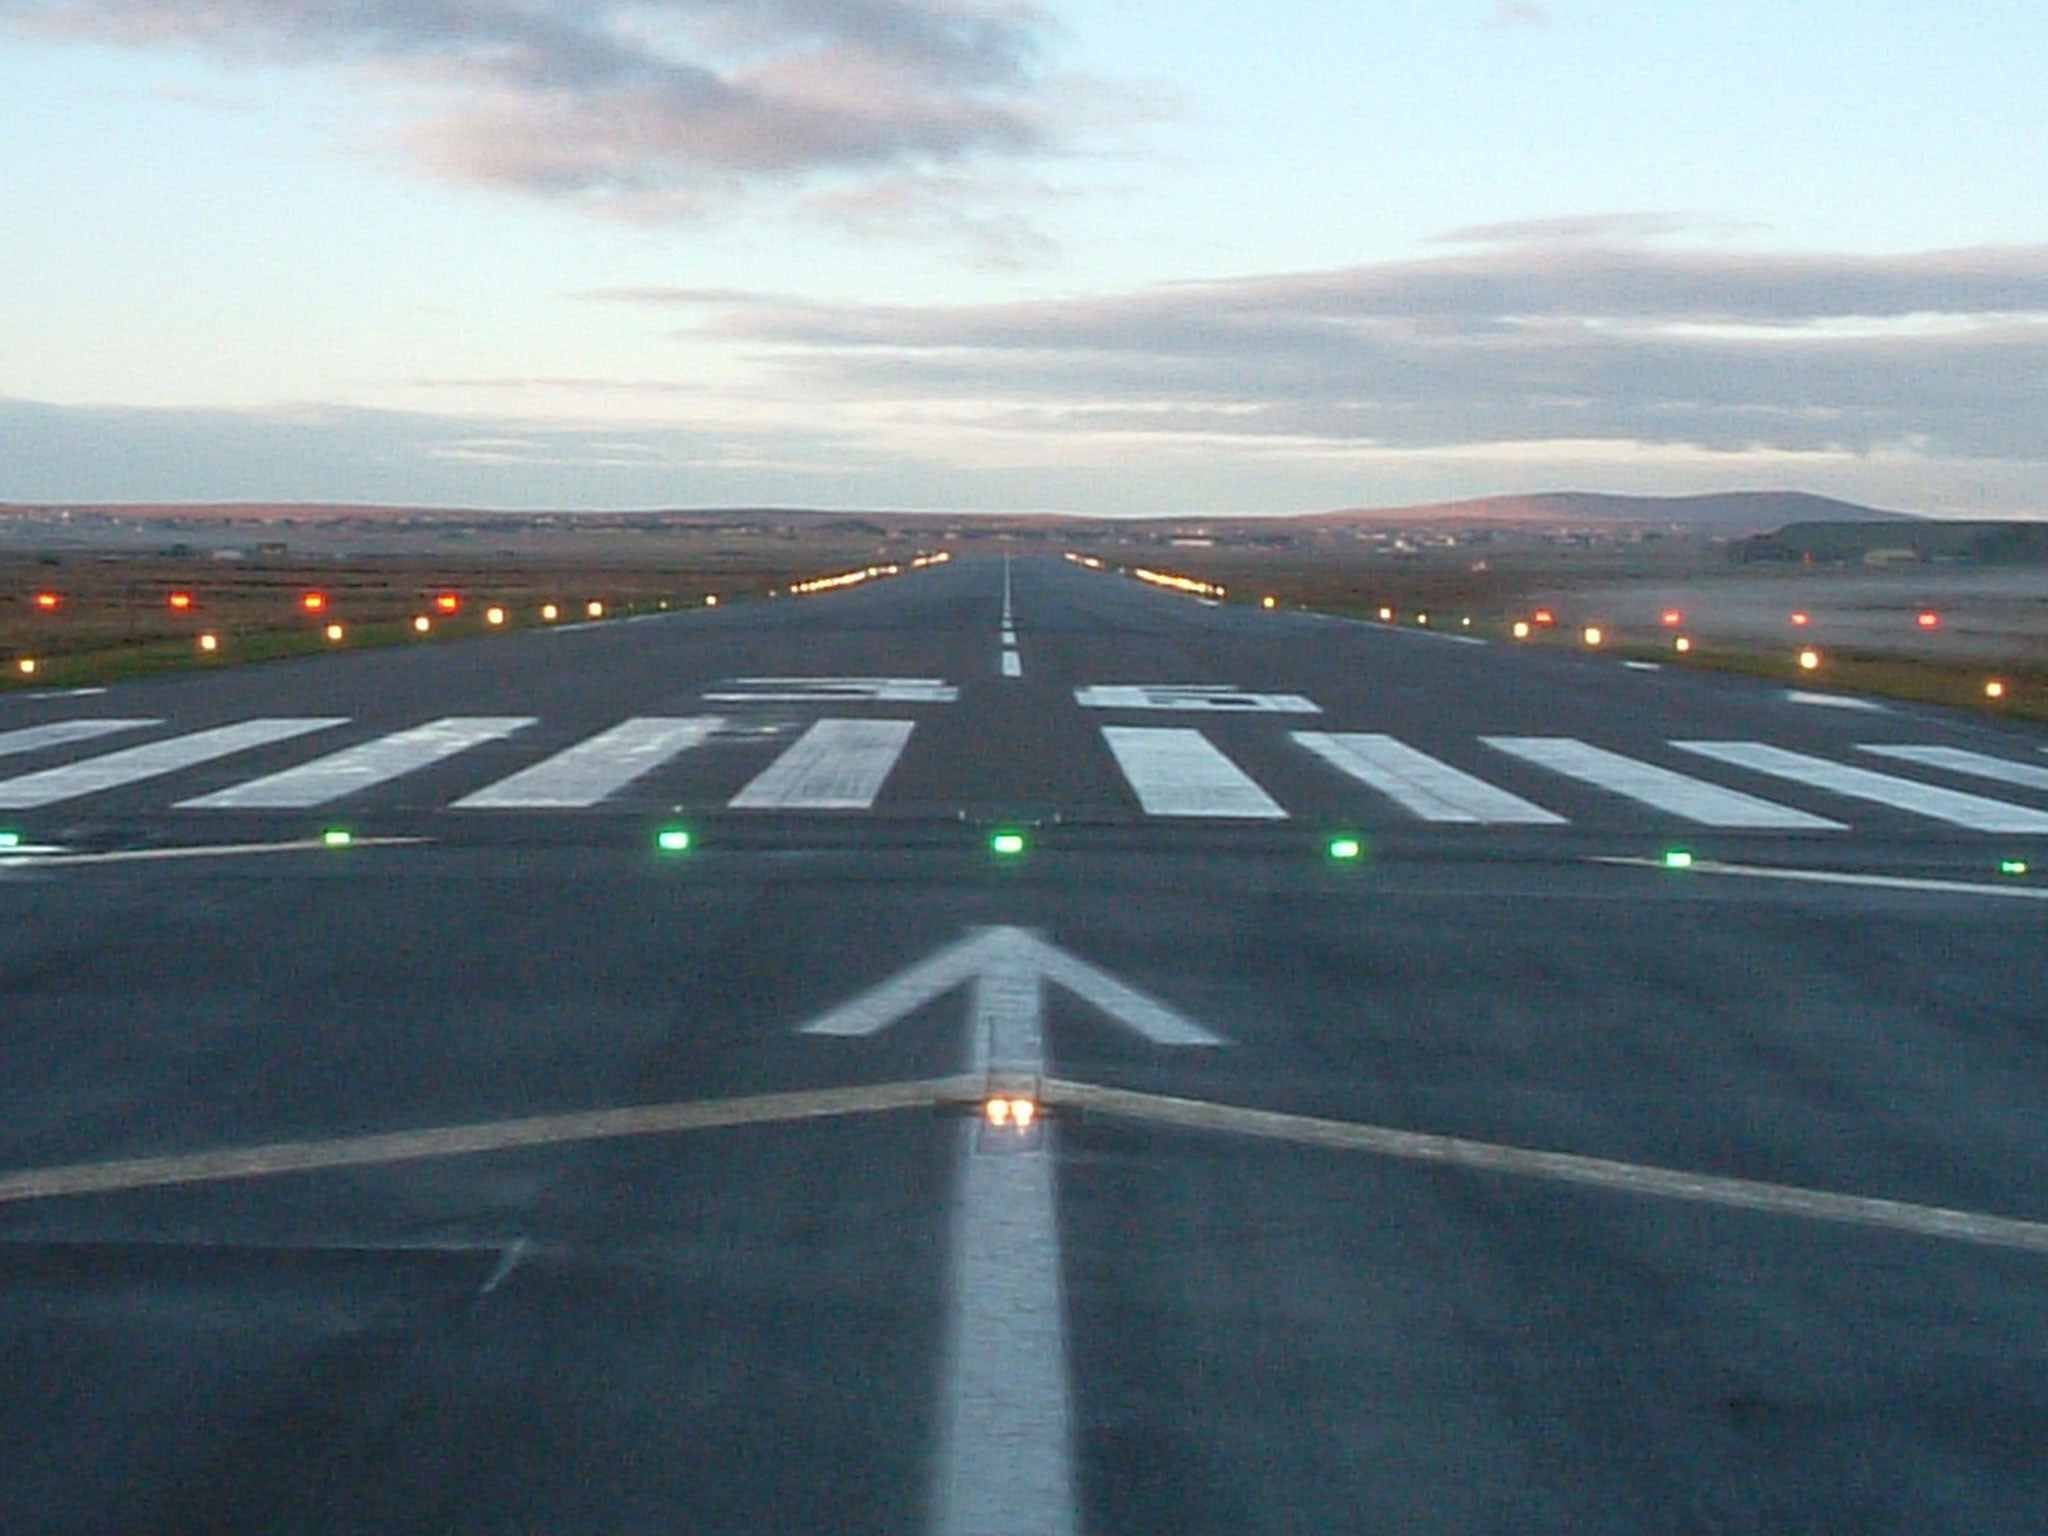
1010 1112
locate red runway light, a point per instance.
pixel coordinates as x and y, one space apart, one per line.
1673 618
1927 618
447 602
1544 616
313 602
48 601
1801 618
180 600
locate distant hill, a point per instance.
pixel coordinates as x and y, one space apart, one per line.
1733 513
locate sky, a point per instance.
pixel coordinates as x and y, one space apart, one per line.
1095 256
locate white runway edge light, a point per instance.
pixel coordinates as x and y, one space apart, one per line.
1014 1112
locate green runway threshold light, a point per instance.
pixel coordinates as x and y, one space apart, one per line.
9 840
1677 858
337 837
2005 866
1006 844
673 840
1346 848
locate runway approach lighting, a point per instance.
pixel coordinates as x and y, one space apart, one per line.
1345 848
1006 845
1809 660
1678 858
337 837
673 840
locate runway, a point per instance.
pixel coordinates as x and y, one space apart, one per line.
498 1170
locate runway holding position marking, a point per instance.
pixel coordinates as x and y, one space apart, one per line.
1420 784
837 765
1974 812
1175 771
593 770
1709 805
134 764
362 767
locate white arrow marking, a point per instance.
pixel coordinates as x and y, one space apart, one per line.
1006 1423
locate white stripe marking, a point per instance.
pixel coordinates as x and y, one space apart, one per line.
601 766
1419 783
362 767
1177 772
1973 812
1977 764
836 690
134 764
1708 804
1833 701
1204 696
1013 664
837 765
1843 877
62 733
1009 635
1006 1427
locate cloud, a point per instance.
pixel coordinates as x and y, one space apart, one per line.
652 109
1933 353
1519 13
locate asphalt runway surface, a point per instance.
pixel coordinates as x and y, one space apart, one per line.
503 1172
